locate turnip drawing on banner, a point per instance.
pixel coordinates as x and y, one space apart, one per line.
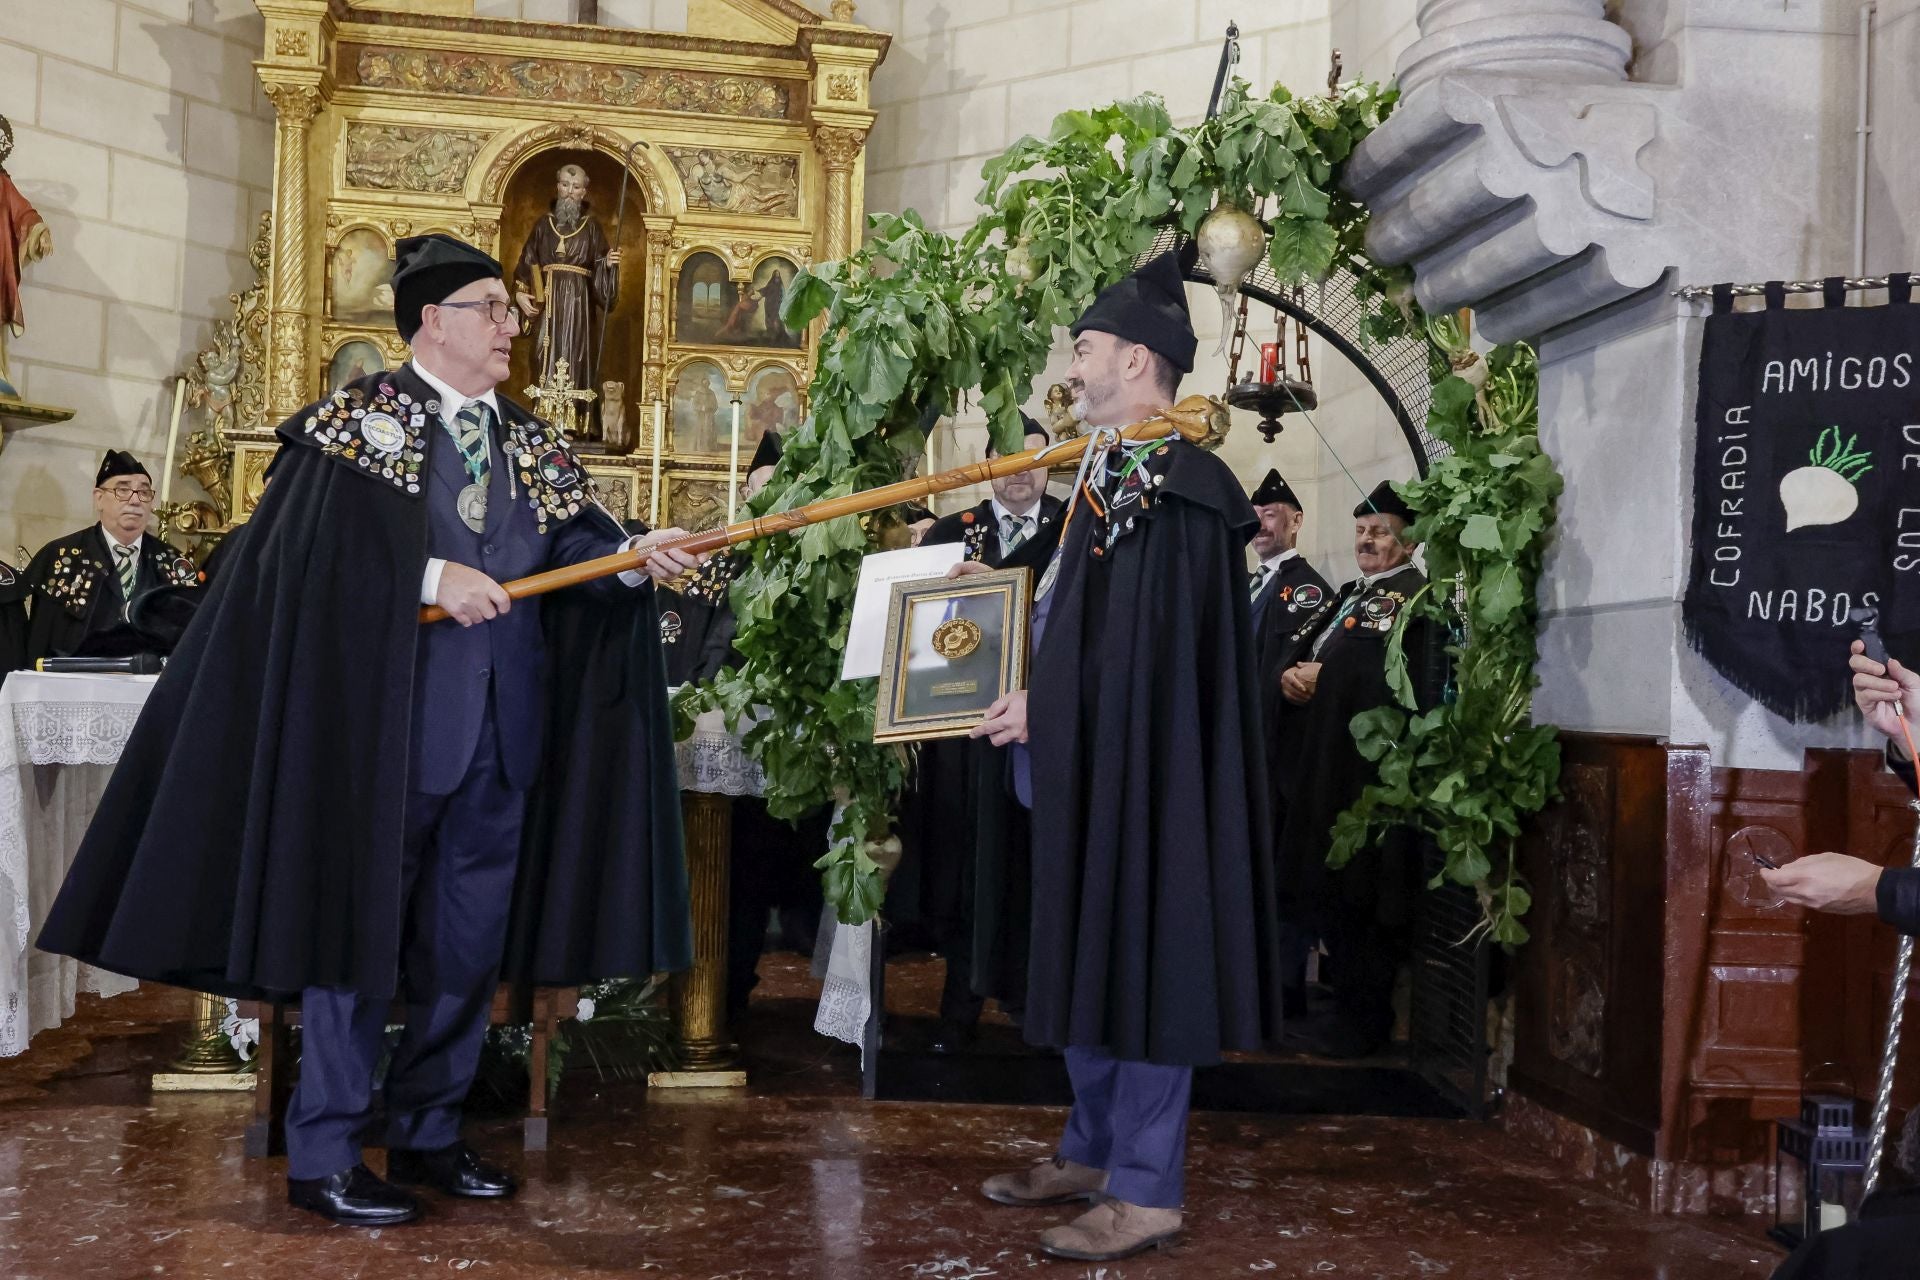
1823 492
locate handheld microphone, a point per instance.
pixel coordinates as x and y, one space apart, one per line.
140 664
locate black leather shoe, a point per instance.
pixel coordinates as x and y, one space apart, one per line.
355 1197
453 1171
953 1036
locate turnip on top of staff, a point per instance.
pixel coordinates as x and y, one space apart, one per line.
1823 491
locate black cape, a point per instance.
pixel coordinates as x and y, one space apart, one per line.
1326 773
1153 910
75 590
1282 639
697 624
965 864
13 618
249 842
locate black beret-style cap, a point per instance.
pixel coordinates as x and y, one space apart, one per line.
430 269
1273 489
118 462
767 452
1148 307
1386 501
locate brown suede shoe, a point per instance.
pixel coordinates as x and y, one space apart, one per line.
1057 1180
1111 1230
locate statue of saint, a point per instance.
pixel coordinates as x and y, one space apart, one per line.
24 239
567 279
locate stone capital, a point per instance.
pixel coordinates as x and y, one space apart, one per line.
838 146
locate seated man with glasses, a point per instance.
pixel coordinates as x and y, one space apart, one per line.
84 581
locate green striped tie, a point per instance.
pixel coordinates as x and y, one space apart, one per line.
469 429
129 569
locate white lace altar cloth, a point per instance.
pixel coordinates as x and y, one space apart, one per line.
60 736
713 761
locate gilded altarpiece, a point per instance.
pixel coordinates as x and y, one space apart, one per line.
741 155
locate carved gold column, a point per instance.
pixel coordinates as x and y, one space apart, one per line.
703 989
289 380
839 148
653 380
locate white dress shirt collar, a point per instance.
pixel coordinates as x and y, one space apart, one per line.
1001 512
113 541
1272 563
451 401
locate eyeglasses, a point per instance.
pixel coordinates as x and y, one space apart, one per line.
498 311
129 492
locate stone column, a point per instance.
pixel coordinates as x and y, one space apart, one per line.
289 380
1565 40
839 149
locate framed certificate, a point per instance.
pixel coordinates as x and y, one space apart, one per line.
953 647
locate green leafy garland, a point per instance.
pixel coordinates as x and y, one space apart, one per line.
915 319
1470 769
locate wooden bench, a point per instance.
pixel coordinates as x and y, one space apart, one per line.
266 1132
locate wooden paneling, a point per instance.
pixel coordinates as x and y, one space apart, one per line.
1662 1002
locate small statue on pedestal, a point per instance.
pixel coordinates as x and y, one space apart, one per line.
24 239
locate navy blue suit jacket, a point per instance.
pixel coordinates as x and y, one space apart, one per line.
461 673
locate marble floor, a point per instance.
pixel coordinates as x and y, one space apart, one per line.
794 1177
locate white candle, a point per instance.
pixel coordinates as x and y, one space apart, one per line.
659 432
173 438
733 465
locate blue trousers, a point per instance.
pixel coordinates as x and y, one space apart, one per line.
456 881
1130 1118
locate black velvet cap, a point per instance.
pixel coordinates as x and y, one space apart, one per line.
1029 427
767 452
118 462
430 269
1274 489
1148 307
1384 501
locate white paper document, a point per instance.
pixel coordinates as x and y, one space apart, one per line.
867 637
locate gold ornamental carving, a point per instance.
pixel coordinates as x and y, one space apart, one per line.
843 86
843 10
838 147
296 104
729 181
291 42
570 134
481 75
388 157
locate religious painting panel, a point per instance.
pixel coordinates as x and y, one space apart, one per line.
702 410
576 267
705 299
759 183
696 500
754 319
617 488
354 358
773 403
360 278
250 469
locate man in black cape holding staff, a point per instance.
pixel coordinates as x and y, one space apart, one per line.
1153 947
326 800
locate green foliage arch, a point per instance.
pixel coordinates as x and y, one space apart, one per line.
915 320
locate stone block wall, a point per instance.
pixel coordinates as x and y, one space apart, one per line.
144 141
964 81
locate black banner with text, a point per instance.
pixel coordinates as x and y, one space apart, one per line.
1806 493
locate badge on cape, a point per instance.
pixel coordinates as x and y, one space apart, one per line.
670 626
1307 596
383 432
557 470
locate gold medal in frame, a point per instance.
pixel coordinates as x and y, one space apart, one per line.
954 647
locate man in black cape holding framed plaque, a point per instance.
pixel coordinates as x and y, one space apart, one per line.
1153 939
325 799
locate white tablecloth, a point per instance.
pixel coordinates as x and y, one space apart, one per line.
59 738
712 760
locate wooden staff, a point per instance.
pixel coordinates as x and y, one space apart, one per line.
1192 419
